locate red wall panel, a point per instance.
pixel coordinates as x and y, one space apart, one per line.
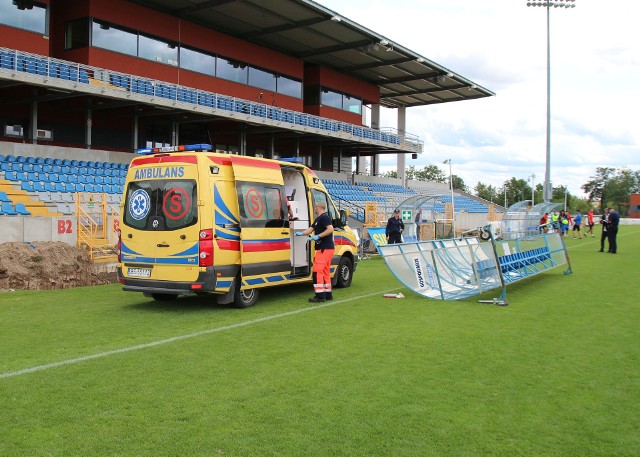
24 40
369 93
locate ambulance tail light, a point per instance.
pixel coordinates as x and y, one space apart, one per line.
205 246
119 247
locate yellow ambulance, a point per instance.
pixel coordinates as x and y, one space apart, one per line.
199 222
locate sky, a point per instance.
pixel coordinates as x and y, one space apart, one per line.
502 46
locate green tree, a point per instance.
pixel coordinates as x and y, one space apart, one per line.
596 187
486 191
517 190
620 187
390 174
458 183
431 173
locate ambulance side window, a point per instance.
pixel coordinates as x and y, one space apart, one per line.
319 196
261 205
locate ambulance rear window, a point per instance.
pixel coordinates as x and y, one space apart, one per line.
161 204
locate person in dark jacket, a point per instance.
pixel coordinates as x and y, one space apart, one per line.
604 221
612 230
395 227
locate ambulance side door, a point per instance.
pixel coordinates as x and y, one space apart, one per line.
264 230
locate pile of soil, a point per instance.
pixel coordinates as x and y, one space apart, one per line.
47 265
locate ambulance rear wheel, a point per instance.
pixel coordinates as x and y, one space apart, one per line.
344 273
244 298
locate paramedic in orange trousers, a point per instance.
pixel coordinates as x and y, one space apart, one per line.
323 236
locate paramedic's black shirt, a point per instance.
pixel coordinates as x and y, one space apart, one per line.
320 225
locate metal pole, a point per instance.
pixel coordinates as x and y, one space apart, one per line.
532 189
547 191
453 205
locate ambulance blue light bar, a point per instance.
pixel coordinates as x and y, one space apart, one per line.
181 148
291 159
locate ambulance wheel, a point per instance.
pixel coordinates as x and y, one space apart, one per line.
244 298
344 273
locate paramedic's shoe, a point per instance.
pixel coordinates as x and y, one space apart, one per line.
328 296
318 298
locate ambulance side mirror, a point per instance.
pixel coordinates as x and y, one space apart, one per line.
343 218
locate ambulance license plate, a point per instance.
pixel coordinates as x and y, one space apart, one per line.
139 272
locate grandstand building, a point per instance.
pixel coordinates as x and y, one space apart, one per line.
84 84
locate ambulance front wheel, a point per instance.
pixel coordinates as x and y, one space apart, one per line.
244 298
344 273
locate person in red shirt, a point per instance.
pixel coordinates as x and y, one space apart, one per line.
544 220
590 223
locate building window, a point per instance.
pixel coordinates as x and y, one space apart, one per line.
113 38
352 104
331 98
197 61
262 79
77 34
24 14
232 70
157 50
288 86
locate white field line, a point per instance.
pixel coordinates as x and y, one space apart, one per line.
100 355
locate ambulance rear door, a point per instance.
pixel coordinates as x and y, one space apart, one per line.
265 233
161 222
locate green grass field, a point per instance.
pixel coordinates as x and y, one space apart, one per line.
97 371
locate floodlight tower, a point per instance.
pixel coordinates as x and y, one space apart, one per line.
547 192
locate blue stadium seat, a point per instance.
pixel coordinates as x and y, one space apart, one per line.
7 60
4 198
7 209
21 210
27 186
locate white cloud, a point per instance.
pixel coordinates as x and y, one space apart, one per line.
501 45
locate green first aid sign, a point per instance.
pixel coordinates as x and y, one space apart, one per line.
406 215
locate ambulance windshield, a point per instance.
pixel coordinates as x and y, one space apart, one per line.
161 204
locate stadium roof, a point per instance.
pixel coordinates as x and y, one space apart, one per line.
318 35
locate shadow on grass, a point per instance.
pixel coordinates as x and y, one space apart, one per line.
208 302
